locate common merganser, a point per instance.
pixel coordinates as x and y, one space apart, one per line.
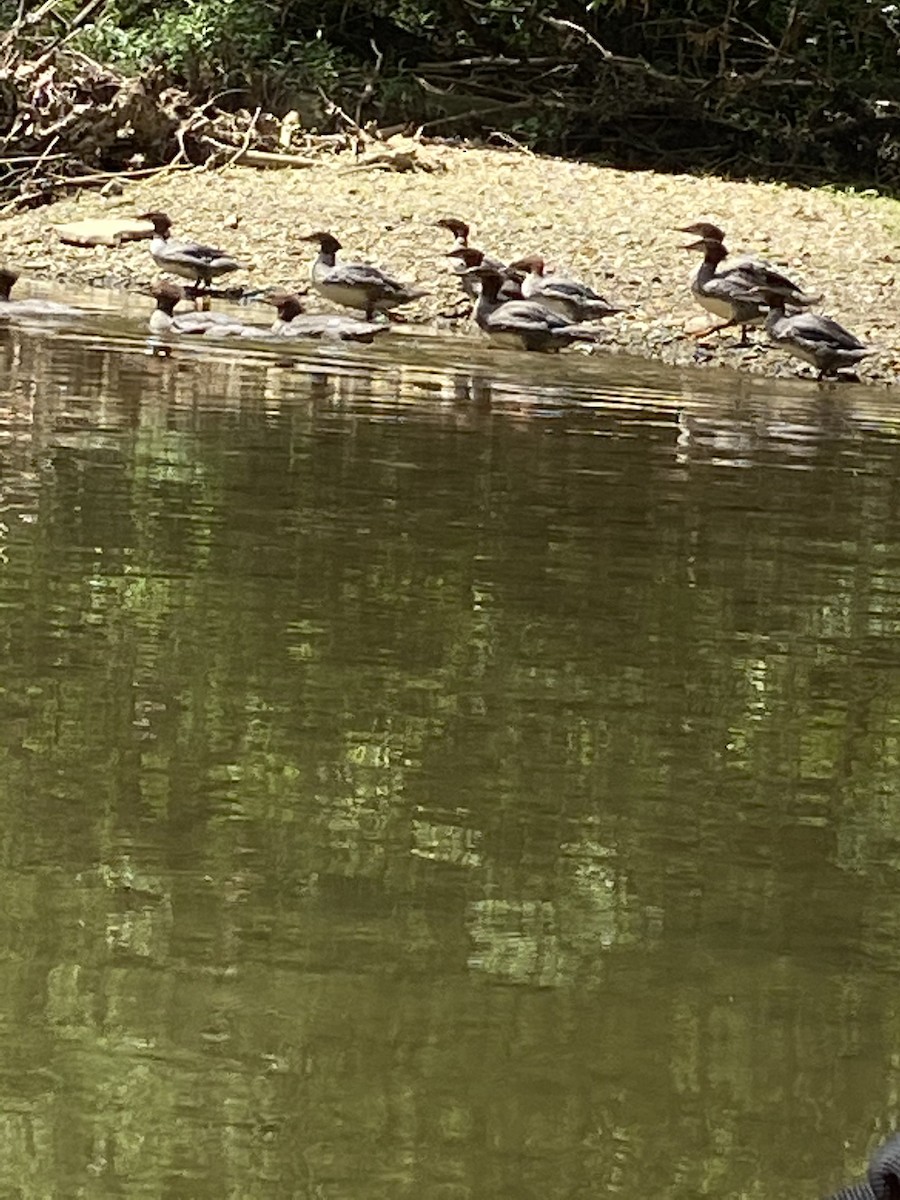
466 258
882 1180
526 324
293 322
356 285
726 292
33 307
190 260
459 265
572 299
164 319
816 339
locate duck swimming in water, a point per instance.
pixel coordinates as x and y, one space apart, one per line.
356 285
164 319
191 260
525 324
572 299
33 307
723 289
293 322
817 340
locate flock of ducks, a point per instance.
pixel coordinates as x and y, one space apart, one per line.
519 304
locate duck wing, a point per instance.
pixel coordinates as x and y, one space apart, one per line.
368 279
526 316
823 331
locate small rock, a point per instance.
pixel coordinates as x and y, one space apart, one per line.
112 188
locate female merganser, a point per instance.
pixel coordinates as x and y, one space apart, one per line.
459 265
882 1180
292 321
468 258
163 319
571 299
817 340
190 260
356 285
526 324
34 307
723 290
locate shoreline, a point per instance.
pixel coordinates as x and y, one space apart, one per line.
612 228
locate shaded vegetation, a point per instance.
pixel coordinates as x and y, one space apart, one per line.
806 88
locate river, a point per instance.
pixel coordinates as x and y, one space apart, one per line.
431 773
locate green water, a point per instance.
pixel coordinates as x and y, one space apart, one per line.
443 776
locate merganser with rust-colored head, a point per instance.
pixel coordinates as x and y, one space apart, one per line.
293 322
461 264
356 285
569 297
818 340
525 324
465 259
191 260
164 319
722 289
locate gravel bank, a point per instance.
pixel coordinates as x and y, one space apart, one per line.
613 228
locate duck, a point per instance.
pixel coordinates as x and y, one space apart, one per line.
291 321
191 260
34 306
467 258
459 264
572 299
723 290
356 285
882 1180
164 319
525 324
816 339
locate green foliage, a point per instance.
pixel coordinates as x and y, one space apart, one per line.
808 87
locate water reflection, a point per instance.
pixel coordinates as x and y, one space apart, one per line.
427 776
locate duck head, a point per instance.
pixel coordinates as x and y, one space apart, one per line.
159 220
328 243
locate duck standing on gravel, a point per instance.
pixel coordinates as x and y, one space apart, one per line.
525 324
817 340
293 322
466 258
461 264
191 260
356 285
725 291
572 299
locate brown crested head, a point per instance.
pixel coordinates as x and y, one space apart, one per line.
327 241
703 229
458 228
165 294
530 262
159 220
713 250
287 303
7 279
467 255
491 280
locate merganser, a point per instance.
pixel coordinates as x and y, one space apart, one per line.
468 258
33 307
569 297
292 321
882 1180
190 260
724 291
817 340
163 319
459 265
526 324
356 285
